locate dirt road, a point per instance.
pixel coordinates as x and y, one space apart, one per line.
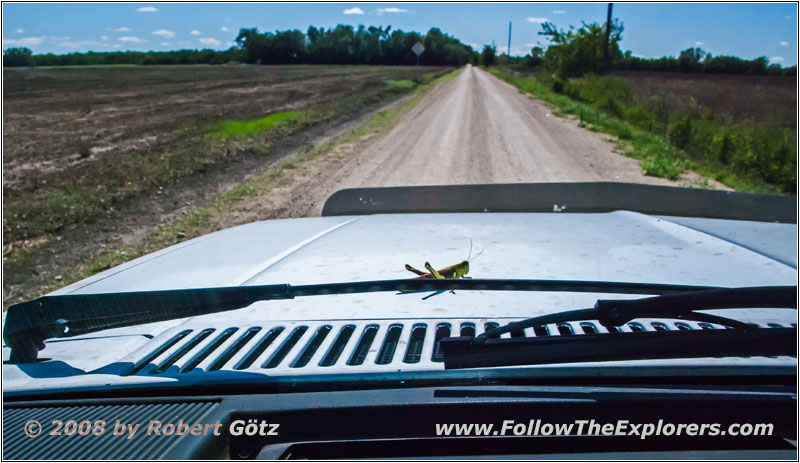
474 129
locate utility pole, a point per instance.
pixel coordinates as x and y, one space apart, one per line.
509 40
606 64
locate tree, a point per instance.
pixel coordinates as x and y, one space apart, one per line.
690 60
488 55
20 56
576 52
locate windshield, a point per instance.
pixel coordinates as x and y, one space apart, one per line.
350 144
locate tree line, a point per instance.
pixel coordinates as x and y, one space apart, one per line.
570 53
345 45
14 57
580 51
337 45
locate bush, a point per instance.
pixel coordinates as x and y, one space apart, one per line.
680 131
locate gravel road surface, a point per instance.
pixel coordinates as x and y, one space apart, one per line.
472 129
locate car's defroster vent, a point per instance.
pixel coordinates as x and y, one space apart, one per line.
234 349
157 352
79 443
442 331
261 347
389 345
278 356
177 355
208 350
361 351
415 344
339 346
312 347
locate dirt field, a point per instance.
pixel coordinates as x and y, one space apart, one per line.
78 141
98 156
742 97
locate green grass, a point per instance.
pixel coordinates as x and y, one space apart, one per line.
401 83
231 129
754 157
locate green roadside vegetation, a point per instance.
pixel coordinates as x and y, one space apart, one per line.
747 156
401 83
202 219
231 129
667 137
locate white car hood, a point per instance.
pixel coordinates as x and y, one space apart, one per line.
619 246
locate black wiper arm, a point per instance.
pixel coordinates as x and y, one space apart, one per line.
487 350
463 352
681 306
29 324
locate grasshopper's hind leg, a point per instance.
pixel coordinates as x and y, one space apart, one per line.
413 270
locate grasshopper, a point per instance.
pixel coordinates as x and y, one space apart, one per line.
452 272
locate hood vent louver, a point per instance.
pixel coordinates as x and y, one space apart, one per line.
342 346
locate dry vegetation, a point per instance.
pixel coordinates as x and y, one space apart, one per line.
742 97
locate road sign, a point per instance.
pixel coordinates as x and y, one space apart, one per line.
418 48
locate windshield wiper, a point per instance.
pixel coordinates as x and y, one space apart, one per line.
488 350
30 323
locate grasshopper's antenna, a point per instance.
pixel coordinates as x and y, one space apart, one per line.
478 254
469 257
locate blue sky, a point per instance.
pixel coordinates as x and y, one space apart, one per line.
651 30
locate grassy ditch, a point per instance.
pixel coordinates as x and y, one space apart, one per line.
745 155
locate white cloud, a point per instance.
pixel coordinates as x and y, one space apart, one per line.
103 37
19 31
776 59
130 39
211 42
559 11
516 50
25 41
391 10
784 44
195 32
167 34
355 10
147 9
534 19
122 29
60 39
86 43
699 43
164 44
224 29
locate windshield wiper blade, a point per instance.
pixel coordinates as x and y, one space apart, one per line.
488 350
30 323
681 306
